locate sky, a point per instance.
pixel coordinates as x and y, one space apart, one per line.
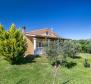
68 18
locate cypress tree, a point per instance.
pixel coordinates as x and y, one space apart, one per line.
13 46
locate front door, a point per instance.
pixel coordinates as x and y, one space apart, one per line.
39 48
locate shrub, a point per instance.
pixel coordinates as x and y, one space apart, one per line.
12 44
86 64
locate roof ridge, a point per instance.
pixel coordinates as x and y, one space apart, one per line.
43 31
40 29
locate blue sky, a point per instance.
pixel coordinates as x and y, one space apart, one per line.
69 18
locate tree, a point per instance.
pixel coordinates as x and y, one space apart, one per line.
89 47
51 51
71 48
2 32
59 50
12 45
84 45
55 52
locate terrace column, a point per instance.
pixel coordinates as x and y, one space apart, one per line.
34 39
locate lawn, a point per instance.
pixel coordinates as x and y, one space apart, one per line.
39 71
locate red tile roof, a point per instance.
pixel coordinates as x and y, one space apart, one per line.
42 32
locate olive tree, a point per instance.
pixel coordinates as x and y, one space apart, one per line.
59 50
71 48
55 52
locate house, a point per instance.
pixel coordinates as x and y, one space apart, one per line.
36 40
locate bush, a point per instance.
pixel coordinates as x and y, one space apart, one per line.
86 64
12 44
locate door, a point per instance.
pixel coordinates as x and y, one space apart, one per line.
39 48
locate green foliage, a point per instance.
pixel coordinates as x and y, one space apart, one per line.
86 64
12 44
59 50
52 50
70 48
89 47
2 32
85 45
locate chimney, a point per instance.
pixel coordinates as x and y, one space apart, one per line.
23 29
46 33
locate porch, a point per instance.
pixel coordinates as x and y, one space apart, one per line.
39 45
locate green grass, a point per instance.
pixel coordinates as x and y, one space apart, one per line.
41 72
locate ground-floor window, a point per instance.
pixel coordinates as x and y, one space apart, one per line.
39 43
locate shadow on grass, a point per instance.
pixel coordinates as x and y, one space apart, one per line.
65 64
70 64
27 59
75 57
66 82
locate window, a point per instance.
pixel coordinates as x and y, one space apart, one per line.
39 44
